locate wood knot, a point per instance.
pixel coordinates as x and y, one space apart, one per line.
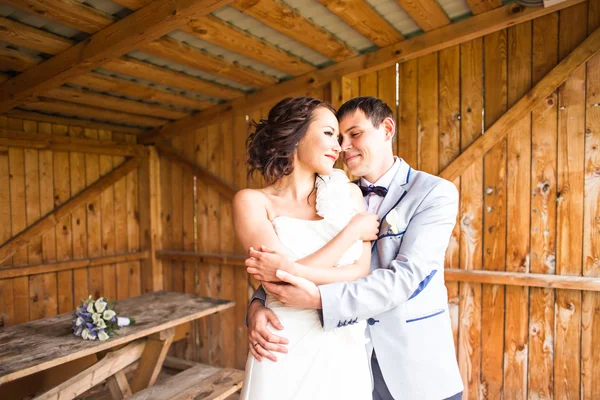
550 101
517 9
91 207
545 187
469 110
35 298
397 52
311 80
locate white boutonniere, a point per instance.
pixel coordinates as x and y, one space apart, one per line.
392 220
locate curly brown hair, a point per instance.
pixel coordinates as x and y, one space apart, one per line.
272 144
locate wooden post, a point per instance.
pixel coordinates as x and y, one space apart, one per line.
150 228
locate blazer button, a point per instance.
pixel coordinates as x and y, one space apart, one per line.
371 321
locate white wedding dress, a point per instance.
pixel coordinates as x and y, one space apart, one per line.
319 365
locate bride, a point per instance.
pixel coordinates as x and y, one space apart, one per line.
308 211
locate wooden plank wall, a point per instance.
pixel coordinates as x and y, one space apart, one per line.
529 205
32 183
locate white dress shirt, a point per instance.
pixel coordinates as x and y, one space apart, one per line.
372 200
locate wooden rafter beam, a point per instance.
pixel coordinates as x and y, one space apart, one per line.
17 60
222 34
524 279
89 98
202 173
364 19
428 14
144 70
68 108
54 217
19 34
67 12
145 25
83 123
9 137
185 54
128 88
284 19
523 107
439 39
481 6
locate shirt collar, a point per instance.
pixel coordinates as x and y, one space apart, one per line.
386 180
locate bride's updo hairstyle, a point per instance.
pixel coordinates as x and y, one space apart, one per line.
272 144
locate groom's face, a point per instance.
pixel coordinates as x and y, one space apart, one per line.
363 145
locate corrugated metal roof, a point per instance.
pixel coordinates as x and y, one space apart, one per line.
391 11
174 90
260 30
37 22
321 16
225 54
121 96
161 62
106 6
455 8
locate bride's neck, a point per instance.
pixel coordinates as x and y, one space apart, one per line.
297 186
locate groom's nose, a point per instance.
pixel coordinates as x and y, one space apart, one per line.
345 145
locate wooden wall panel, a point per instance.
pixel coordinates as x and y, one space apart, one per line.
518 181
36 182
471 218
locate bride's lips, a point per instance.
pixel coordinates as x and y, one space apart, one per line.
334 158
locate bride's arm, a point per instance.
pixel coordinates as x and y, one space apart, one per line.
251 222
319 266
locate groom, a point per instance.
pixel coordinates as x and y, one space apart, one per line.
404 299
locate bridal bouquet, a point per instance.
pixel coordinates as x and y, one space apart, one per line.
97 319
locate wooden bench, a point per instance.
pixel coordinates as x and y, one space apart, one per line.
199 381
35 347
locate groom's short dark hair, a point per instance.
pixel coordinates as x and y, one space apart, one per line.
375 109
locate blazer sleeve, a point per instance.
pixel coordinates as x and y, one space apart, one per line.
420 255
260 295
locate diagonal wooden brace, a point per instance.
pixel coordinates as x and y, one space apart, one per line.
152 359
524 106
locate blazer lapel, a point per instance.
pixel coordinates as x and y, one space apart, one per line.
396 190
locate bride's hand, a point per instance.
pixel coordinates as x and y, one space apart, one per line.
364 226
263 264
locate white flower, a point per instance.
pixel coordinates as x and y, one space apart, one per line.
100 305
85 333
79 321
96 317
392 220
102 335
109 314
100 324
90 308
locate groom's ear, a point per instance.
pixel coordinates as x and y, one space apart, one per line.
389 127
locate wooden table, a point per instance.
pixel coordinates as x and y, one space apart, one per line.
49 342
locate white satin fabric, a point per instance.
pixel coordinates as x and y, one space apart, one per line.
319 365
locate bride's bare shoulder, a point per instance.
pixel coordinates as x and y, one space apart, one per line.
249 199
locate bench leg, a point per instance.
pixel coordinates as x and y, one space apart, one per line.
118 386
152 359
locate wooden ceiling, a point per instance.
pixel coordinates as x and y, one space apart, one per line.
157 67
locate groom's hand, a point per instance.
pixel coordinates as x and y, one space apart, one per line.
295 291
262 341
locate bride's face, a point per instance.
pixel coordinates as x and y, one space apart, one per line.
319 148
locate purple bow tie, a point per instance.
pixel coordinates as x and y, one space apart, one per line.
378 190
